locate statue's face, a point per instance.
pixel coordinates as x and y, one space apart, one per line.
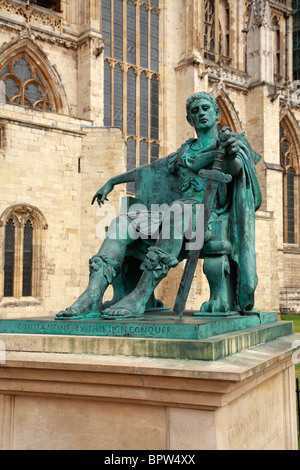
202 115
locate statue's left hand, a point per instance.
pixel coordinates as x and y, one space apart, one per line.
231 144
102 193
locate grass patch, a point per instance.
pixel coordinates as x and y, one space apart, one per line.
295 319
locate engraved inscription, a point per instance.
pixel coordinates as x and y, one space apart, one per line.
100 329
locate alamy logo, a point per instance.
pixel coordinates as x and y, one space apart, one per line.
168 222
2 353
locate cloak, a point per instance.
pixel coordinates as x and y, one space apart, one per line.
246 200
161 183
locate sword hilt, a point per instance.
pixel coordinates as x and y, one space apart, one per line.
216 173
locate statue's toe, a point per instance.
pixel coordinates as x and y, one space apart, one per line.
73 313
119 312
215 306
67 313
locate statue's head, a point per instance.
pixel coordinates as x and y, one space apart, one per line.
193 104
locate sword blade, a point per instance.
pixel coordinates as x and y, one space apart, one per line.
193 256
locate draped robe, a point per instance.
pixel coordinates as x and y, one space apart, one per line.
175 178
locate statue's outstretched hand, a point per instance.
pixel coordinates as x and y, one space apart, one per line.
230 143
102 193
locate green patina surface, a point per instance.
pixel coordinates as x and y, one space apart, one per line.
216 170
166 336
190 327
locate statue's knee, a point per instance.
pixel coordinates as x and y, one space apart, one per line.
217 240
181 213
216 264
118 228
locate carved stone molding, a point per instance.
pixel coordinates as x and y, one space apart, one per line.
223 74
227 75
92 39
260 53
126 67
286 4
289 98
61 41
28 30
33 14
254 54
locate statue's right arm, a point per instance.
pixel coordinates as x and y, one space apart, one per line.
102 193
129 176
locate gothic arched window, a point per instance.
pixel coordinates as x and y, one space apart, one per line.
25 84
131 75
51 4
9 258
27 259
288 164
277 47
18 256
228 116
23 226
209 30
216 40
131 160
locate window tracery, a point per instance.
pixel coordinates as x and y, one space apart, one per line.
25 85
209 29
288 161
216 42
22 226
131 75
18 244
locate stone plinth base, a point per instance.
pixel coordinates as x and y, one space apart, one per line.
163 336
53 400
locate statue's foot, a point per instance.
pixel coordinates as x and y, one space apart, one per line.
73 313
215 306
83 308
123 310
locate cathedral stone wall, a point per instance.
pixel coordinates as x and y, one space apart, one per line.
56 165
40 168
56 161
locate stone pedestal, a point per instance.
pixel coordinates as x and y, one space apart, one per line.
194 336
63 392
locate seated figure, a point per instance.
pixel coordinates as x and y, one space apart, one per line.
135 267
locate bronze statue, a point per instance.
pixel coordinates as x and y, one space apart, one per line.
135 266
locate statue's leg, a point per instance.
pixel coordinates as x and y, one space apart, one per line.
155 267
104 267
157 264
217 270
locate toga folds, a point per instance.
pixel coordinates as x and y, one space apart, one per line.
175 177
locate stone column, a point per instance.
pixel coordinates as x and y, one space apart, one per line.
263 133
260 42
90 64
